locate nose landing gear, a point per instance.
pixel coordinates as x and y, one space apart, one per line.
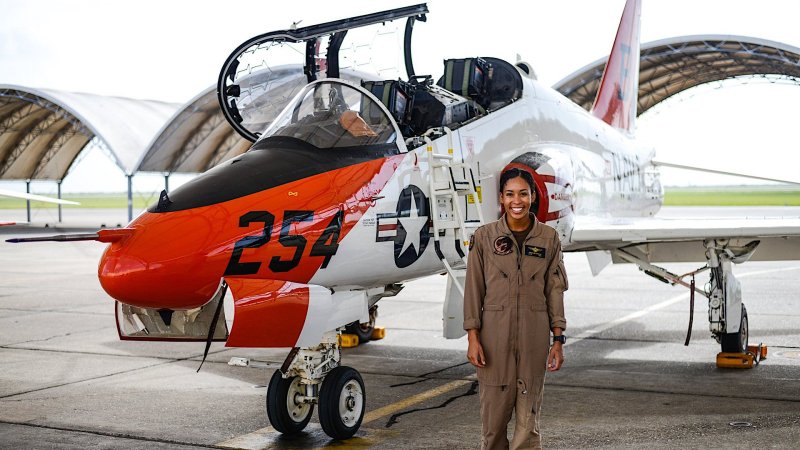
294 390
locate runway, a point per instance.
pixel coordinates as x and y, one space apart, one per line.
67 381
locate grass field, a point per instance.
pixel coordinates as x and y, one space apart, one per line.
732 196
674 196
105 200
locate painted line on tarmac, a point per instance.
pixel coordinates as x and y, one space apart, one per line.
413 400
671 301
262 438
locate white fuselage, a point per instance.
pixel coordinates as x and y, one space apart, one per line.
605 175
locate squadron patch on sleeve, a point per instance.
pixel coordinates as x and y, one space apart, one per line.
532 250
503 245
471 241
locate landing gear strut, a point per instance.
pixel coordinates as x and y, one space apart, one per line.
727 315
313 376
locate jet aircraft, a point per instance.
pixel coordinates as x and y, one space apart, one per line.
355 184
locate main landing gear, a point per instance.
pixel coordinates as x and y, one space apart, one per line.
364 330
727 315
313 376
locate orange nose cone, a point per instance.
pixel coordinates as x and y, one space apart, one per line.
134 281
162 263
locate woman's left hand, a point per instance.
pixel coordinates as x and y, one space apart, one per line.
556 357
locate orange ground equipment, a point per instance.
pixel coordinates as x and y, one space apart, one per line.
754 355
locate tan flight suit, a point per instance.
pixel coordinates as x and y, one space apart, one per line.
514 297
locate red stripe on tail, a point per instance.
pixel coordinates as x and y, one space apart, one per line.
616 98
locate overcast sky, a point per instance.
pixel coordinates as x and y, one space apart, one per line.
172 50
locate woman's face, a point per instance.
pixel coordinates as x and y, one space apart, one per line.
517 198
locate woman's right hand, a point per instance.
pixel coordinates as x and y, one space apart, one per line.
475 350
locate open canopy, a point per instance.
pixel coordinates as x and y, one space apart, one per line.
260 77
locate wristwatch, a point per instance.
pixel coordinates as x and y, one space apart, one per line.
562 339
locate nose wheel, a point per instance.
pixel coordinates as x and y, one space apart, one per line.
285 409
341 402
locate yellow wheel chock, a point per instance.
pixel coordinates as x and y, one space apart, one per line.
348 340
378 333
754 355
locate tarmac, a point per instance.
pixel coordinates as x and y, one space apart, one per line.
67 381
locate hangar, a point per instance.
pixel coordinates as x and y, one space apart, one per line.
670 66
43 131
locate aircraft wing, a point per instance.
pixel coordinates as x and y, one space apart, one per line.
34 197
681 240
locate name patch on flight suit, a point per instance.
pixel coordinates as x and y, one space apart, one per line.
503 245
532 250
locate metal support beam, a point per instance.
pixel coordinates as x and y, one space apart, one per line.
634 256
130 198
28 202
58 183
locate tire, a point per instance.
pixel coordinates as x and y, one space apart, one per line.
737 342
342 401
363 330
286 415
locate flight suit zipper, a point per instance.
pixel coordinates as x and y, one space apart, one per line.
516 328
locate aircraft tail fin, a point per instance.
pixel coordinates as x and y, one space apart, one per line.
617 96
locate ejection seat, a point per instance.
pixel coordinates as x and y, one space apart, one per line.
490 82
397 96
480 85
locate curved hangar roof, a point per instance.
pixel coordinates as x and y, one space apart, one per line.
42 131
670 66
195 139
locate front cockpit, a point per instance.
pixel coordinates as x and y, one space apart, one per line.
328 125
332 114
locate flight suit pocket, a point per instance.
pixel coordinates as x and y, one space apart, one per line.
562 275
537 302
498 288
536 392
495 342
538 305
492 316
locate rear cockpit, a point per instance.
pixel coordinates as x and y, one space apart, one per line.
259 95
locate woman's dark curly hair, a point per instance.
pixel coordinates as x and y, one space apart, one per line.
514 173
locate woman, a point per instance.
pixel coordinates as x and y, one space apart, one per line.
514 297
